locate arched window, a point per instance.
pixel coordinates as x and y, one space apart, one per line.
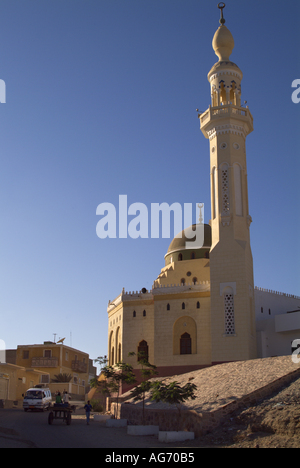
222 92
144 313
182 281
117 344
134 314
198 305
143 350
193 256
214 96
120 353
185 344
168 307
180 257
183 306
111 349
113 356
232 93
195 280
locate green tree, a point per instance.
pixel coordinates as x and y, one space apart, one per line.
173 394
117 375
102 361
148 371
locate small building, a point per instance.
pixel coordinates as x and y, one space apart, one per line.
15 380
277 322
54 359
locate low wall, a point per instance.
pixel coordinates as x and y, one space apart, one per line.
9 404
199 423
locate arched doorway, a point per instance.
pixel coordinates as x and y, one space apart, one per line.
143 350
185 344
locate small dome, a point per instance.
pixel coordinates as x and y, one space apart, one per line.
223 43
178 244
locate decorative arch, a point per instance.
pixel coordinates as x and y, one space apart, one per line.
118 346
111 357
182 327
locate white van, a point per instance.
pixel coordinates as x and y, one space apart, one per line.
37 398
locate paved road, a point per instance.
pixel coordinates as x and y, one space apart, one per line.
31 430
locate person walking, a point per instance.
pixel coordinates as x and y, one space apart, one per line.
66 397
88 408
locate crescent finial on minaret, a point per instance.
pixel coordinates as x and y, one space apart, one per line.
221 6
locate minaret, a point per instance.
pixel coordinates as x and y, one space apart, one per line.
226 124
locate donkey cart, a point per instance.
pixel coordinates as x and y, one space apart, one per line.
60 412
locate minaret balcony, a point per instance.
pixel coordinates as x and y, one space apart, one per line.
224 114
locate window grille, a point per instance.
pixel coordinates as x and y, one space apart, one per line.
229 314
225 191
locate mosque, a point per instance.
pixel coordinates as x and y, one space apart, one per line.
203 308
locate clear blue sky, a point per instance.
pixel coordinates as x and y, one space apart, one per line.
101 99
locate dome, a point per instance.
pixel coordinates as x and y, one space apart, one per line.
178 245
223 43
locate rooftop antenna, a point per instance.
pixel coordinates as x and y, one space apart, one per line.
54 334
221 6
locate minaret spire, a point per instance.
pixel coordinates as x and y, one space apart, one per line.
221 6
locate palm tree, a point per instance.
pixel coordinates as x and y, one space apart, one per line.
62 378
